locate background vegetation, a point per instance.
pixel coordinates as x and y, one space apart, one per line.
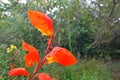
85 27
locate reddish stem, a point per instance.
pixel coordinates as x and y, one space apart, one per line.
43 59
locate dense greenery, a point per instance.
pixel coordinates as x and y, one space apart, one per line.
85 28
81 26
85 69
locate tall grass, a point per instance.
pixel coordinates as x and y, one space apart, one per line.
85 69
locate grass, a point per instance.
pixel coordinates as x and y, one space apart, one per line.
85 69
92 69
115 66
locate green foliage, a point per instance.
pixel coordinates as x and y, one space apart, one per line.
3 65
86 29
71 28
86 69
80 27
16 27
15 58
107 37
95 70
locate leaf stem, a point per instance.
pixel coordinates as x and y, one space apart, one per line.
43 58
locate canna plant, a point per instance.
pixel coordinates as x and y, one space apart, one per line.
58 54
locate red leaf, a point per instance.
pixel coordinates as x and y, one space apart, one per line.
11 66
18 72
42 22
32 56
61 56
44 76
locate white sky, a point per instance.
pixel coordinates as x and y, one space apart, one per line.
24 1
21 1
6 1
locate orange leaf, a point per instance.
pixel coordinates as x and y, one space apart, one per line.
32 56
42 22
61 56
18 72
44 76
11 66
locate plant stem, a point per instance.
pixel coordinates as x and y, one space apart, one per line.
43 58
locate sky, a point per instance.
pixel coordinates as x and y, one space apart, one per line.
7 1
24 1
